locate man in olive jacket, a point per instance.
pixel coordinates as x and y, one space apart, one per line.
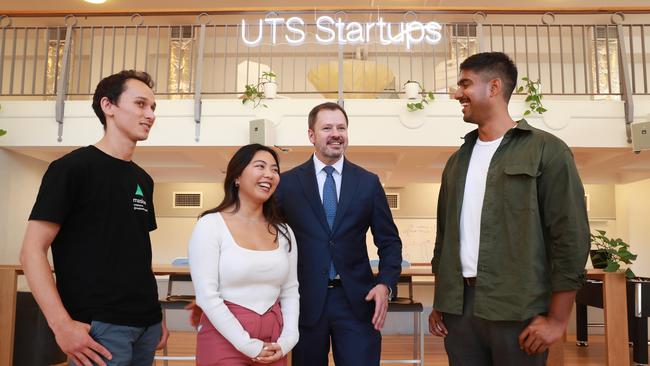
513 234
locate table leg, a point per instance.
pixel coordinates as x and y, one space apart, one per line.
582 333
7 314
641 341
615 309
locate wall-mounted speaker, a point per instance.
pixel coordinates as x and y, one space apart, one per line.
640 136
262 132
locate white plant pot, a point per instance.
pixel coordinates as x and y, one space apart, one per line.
412 90
270 90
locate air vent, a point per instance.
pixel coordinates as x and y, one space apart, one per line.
188 199
393 200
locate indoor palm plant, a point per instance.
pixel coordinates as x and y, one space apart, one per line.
609 253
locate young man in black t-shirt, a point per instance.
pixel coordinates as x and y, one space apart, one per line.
95 209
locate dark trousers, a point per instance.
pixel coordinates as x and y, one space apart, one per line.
354 342
473 341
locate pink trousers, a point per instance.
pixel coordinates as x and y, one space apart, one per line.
212 349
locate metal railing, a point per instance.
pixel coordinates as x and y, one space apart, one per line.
569 59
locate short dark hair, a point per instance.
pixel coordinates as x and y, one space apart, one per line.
494 64
328 106
112 87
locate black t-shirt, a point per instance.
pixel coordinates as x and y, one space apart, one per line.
102 253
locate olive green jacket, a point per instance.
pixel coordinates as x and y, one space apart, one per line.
534 236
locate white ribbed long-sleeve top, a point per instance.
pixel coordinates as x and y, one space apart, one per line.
223 270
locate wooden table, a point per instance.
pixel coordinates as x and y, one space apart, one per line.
10 273
615 309
614 300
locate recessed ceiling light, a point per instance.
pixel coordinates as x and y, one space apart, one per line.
95 1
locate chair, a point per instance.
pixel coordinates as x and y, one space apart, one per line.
175 302
408 305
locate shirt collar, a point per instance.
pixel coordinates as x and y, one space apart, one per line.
319 165
522 125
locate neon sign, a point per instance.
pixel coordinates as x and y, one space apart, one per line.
329 31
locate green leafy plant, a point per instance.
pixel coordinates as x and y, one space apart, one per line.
534 96
611 253
425 98
254 93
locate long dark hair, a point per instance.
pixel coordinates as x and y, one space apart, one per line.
236 166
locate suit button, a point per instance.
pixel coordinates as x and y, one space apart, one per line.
331 242
324 271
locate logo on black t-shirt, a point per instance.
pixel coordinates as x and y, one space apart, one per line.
139 204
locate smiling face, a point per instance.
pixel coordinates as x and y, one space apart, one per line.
260 178
132 115
329 135
473 93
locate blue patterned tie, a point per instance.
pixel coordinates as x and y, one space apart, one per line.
329 204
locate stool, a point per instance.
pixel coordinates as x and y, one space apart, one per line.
407 305
175 302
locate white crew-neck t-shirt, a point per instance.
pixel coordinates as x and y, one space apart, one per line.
470 214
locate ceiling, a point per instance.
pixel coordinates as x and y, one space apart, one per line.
396 166
79 6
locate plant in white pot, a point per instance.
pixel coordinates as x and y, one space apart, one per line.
412 89
415 91
270 86
266 88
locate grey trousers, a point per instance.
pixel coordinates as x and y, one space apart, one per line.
473 341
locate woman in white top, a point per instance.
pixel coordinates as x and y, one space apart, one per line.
243 265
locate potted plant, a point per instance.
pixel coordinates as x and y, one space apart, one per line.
414 90
270 86
266 88
609 253
534 95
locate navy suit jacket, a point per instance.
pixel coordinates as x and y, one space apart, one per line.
362 205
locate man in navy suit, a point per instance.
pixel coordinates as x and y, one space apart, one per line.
330 203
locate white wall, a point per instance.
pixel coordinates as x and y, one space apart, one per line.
633 213
376 123
19 183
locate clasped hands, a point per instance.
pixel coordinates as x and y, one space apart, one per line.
270 353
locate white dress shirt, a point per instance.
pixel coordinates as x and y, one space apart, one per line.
321 175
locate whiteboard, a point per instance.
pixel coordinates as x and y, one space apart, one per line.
418 237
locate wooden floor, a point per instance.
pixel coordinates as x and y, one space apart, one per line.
395 347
